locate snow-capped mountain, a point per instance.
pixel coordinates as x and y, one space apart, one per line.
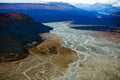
99 7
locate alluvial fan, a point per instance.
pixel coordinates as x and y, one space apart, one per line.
98 52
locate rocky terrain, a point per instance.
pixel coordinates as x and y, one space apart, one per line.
68 54
48 59
100 50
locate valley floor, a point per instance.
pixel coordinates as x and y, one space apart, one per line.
68 54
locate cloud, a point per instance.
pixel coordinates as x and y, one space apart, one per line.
116 3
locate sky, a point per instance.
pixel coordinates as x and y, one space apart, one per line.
114 2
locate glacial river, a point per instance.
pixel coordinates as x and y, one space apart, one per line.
95 46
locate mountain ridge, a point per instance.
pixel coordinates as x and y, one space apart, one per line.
99 7
37 6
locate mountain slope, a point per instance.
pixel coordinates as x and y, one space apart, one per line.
36 6
16 30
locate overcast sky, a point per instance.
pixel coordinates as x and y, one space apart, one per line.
116 2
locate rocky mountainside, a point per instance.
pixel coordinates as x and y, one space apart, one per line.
16 30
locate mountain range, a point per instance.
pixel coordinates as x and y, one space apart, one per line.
99 7
97 13
37 6
49 12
